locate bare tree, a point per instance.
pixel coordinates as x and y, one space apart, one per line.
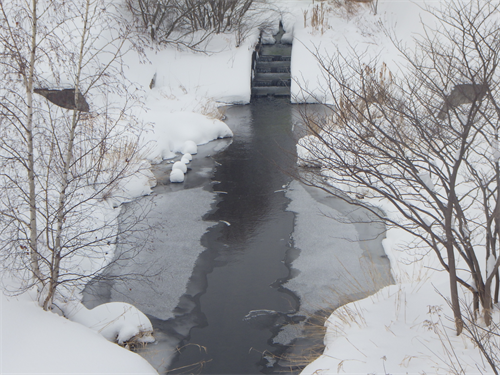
426 140
60 166
190 22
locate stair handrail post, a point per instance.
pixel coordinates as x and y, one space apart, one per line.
255 55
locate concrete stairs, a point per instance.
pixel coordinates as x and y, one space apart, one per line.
271 69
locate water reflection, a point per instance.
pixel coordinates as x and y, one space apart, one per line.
246 258
236 259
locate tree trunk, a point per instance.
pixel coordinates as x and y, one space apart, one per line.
35 267
60 216
452 272
487 304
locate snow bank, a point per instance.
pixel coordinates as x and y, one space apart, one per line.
180 132
34 341
221 73
402 329
345 33
116 321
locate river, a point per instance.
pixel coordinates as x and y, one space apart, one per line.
229 256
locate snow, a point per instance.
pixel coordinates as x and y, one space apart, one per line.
180 165
176 175
490 265
427 180
304 155
186 158
180 132
181 113
405 328
190 147
34 341
116 321
401 329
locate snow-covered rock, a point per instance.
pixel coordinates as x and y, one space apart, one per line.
189 147
180 166
186 158
176 175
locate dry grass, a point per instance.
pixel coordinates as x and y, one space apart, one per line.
376 88
210 109
138 341
319 18
313 333
347 9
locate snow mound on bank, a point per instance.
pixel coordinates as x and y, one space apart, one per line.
116 321
36 341
190 148
180 166
181 132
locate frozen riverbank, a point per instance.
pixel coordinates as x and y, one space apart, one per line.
204 288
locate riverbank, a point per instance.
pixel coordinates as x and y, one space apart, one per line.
407 328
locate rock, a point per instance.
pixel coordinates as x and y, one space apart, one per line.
176 175
180 166
462 94
64 98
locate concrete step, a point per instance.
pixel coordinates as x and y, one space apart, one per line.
264 76
271 90
271 82
272 71
270 58
276 50
272 67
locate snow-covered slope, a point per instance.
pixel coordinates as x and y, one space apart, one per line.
34 341
404 328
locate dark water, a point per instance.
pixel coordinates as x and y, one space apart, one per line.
245 261
234 303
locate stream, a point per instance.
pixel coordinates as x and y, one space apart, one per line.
216 271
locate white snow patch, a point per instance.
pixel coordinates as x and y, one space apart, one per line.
180 165
186 158
427 180
189 147
490 265
36 341
116 321
176 176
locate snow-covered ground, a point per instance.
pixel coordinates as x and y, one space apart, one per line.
34 341
405 328
394 331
